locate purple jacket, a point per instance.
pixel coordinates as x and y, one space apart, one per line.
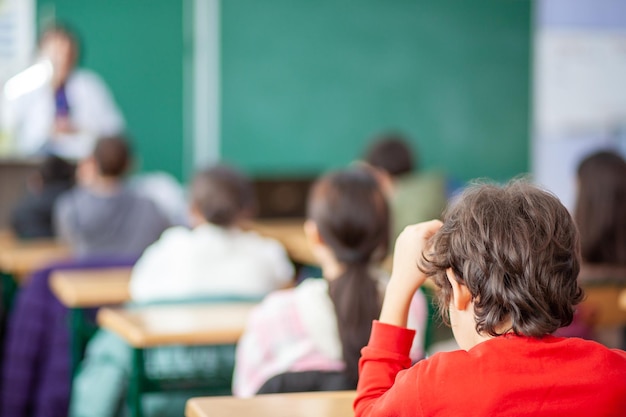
36 380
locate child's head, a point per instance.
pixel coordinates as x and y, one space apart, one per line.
351 218
392 154
222 196
109 161
351 215
601 208
112 157
515 250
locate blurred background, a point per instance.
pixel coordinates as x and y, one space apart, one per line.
287 89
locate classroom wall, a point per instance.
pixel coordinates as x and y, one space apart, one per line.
304 85
556 155
137 48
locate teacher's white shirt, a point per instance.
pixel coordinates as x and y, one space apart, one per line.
93 112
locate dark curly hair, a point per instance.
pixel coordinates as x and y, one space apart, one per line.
516 248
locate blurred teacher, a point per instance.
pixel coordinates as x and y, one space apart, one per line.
54 107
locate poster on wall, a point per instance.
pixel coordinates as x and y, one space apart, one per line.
580 83
17 36
17 42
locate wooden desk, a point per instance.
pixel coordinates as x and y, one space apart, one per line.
22 258
80 289
601 274
289 232
622 300
309 404
605 294
7 239
200 324
19 259
607 304
91 287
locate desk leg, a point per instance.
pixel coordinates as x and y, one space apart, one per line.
137 381
77 342
9 289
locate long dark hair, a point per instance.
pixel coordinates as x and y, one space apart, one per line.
352 217
601 208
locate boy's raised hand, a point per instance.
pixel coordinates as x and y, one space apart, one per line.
408 253
406 277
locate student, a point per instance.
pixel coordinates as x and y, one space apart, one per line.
322 324
601 220
415 196
32 216
506 262
601 208
215 259
101 216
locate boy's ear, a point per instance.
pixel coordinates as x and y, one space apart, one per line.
312 233
461 296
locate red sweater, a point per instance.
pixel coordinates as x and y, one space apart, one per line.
505 376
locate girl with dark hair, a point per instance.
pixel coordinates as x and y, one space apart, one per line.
315 332
601 208
600 215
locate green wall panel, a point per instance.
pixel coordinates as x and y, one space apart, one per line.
306 83
137 48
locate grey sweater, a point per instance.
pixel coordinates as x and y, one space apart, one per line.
122 223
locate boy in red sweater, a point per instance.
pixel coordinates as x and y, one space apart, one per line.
505 261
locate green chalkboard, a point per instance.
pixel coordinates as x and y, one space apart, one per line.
137 48
304 84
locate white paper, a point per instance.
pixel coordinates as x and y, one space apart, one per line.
580 82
